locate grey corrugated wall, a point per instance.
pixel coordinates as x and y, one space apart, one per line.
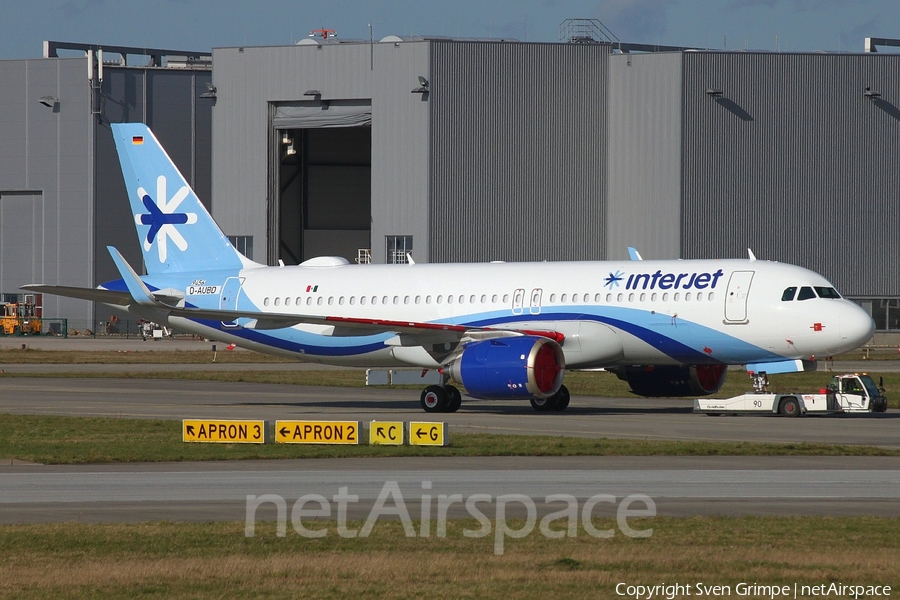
46 180
60 175
796 163
644 155
518 138
400 147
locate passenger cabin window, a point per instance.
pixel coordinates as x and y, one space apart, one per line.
827 292
788 294
806 293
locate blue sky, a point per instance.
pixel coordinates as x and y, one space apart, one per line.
786 25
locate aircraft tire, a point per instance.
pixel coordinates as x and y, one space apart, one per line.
560 399
434 399
454 399
542 404
789 407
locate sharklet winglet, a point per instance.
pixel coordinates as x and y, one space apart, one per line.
136 287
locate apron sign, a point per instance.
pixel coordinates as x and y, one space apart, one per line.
317 432
428 434
224 432
386 433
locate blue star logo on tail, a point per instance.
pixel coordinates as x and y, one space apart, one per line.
162 218
614 279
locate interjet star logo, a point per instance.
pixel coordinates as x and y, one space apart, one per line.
162 218
614 279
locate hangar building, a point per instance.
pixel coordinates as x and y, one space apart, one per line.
61 189
476 150
571 151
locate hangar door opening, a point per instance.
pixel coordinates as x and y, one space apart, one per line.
320 180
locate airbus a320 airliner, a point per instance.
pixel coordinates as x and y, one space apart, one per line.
500 330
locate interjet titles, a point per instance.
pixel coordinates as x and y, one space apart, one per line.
673 281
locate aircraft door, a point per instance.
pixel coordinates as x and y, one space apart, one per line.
228 300
535 306
852 394
736 297
518 301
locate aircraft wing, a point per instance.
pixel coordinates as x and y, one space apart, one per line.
168 302
353 326
269 320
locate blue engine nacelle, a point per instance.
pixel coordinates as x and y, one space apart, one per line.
510 367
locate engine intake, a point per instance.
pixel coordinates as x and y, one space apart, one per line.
510 367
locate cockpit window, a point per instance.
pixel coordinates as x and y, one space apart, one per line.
827 292
806 293
788 294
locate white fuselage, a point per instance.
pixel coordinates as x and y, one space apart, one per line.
611 313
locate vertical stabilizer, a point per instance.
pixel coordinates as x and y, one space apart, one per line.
175 231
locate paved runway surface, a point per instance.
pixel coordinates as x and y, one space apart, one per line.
207 491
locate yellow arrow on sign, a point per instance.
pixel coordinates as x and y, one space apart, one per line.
219 431
388 433
428 434
317 432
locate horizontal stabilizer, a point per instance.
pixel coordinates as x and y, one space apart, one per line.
92 294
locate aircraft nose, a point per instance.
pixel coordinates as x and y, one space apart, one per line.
856 326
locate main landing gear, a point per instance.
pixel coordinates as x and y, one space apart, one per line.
436 398
558 401
441 399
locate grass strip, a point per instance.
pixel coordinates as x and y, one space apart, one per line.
84 440
216 560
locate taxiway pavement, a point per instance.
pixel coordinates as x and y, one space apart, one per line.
218 491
